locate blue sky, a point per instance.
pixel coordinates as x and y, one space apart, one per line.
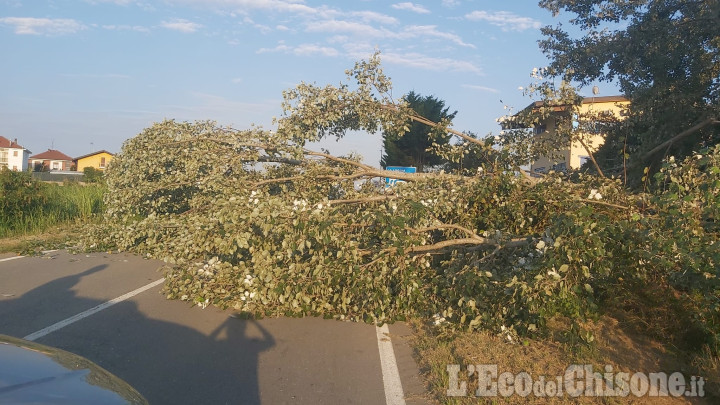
86 75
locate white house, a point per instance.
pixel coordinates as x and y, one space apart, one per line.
12 155
51 160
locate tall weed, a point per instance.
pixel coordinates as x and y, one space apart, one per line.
28 206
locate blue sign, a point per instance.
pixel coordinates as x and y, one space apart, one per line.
391 182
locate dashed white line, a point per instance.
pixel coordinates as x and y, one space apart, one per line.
7 259
391 376
93 310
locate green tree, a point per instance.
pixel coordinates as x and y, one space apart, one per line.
20 196
92 175
665 55
411 148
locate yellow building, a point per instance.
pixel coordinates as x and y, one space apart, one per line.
97 160
575 154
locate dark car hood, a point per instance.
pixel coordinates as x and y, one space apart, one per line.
31 373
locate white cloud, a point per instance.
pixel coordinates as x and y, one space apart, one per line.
181 25
42 26
505 20
425 62
431 31
481 88
286 6
136 28
450 3
282 28
342 28
415 8
338 39
279 48
262 28
371 16
302 50
310 49
360 29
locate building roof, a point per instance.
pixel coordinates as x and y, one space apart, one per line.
93 154
512 122
52 154
6 143
588 100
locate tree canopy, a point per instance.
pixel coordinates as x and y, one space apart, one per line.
665 55
412 147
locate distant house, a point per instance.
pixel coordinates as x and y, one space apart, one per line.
51 160
97 160
12 155
574 155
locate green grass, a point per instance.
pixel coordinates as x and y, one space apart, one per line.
63 204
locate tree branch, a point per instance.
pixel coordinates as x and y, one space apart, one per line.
363 200
448 226
592 157
622 207
433 124
683 134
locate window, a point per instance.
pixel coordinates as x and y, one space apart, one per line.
15 167
102 162
539 129
15 153
56 165
583 160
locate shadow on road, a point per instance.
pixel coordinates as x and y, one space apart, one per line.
167 362
44 305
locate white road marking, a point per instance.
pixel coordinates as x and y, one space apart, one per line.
85 314
391 376
11 258
20 257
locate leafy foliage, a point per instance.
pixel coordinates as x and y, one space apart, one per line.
411 148
255 221
92 175
20 195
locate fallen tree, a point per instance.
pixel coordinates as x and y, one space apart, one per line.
256 221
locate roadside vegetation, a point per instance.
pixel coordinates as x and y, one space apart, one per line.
33 213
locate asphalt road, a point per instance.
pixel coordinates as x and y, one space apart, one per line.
177 354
